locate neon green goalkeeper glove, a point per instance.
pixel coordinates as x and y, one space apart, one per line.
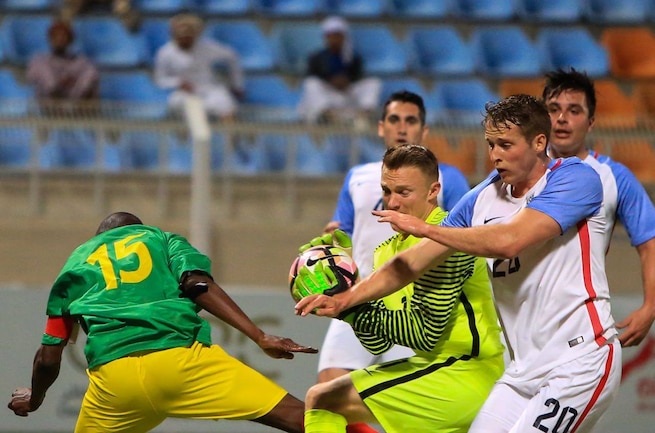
337 238
321 279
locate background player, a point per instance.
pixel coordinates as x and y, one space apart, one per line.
402 122
445 315
571 100
136 291
538 222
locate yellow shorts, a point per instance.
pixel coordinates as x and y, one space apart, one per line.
136 393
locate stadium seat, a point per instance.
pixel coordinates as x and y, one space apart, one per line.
297 8
617 12
270 98
293 43
644 96
420 9
483 10
551 11
309 158
28 5
564 47
504 52
134 95
391 85
76 148
245 37
461 153
14 97
23 36
15 147
464 99
155 33
224 7
638 156
514 86
356 8
150 7
614 107
382 53
107 43
631 51
438 51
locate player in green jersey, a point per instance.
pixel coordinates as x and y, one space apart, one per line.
136 292
446 316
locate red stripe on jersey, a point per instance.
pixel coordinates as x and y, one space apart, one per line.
598 390
59 327
557 164
583 235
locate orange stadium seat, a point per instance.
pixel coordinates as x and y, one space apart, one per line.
631 51
644 95
513 86
461 154
614 108
638 156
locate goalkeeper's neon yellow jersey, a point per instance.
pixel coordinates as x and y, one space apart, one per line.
122 287
447 311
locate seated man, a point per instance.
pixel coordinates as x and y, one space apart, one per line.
335 87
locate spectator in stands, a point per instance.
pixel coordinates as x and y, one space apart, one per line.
121 8
335 87
187 63
62 74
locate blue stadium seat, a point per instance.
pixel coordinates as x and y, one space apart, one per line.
15 147
483 10
464 99
23 36
564 47
270 98
224 7
241 160
504 51
28 5
420 9
382 52
155 33
14 96
135 95
309 158
297 8
618 12
149 7
439 50
106 41
247 40
356 8
391 85
293 43
76 148
549 11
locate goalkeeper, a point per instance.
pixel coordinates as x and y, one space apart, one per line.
446 316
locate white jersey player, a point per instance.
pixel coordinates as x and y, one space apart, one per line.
539 222
571 101
402 122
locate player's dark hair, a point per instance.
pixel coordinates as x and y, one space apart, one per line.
408 97
524 111
560 80
412 155
117 219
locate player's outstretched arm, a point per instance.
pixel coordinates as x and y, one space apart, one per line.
636 326
211 297
45 371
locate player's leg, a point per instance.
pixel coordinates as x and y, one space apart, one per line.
116 400
331 405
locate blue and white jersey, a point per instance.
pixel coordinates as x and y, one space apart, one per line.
625 198
361 193
553 299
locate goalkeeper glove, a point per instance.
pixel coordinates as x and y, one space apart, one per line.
337 238
321 279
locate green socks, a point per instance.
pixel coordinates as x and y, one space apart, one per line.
324 421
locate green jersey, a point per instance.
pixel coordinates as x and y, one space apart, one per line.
447 311
122 287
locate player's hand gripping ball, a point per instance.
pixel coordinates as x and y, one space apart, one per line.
325 269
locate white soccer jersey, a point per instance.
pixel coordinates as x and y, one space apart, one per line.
553 299
624 198
361 193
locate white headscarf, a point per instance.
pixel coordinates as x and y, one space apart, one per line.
335 24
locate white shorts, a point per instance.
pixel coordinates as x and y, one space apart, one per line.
571 399
342 349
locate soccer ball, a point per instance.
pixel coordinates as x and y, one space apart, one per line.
342 265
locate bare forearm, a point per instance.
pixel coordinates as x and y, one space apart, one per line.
45 371
646 253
